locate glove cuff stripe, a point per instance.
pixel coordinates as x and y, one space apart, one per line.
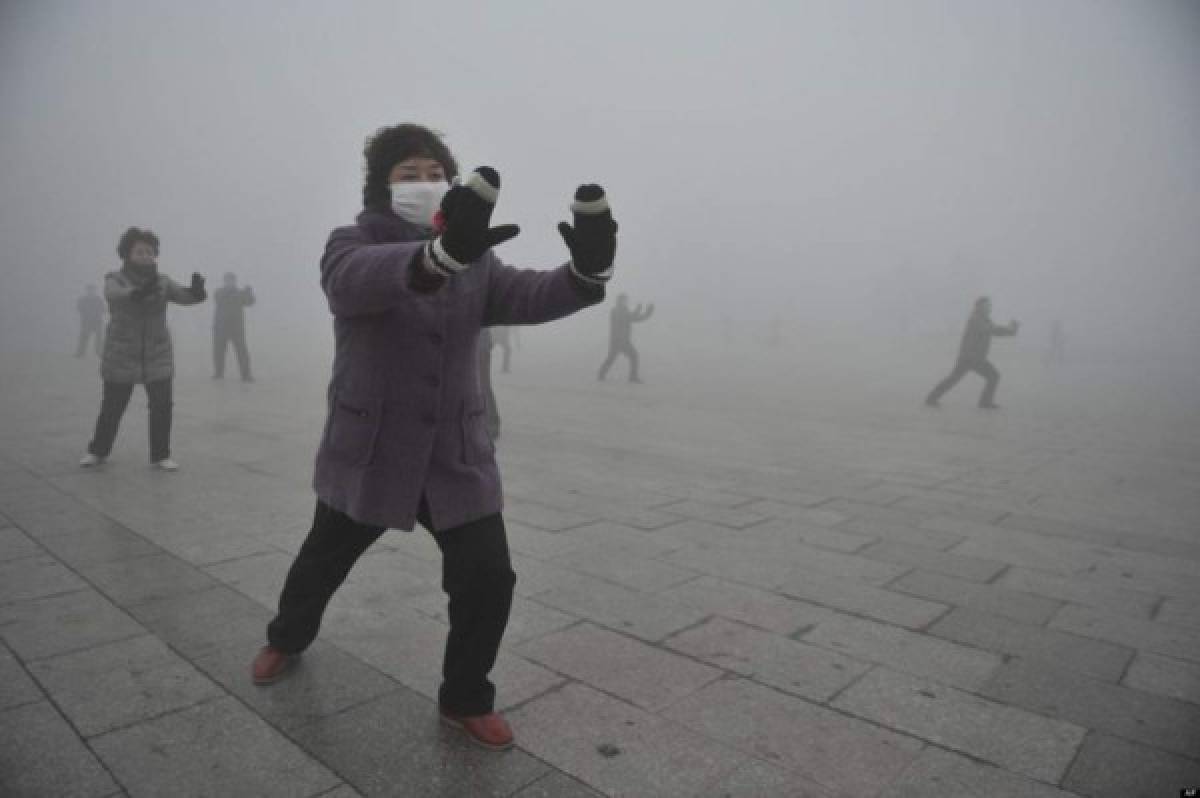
590 206
486 191
438 262
600 278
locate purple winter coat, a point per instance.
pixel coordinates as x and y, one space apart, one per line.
406 410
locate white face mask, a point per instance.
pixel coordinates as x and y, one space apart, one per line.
417 202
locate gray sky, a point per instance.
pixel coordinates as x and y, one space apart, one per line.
855 167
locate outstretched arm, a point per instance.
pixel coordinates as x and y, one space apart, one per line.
638 316
194 294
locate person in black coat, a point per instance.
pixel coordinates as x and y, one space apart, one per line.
973 354
620 338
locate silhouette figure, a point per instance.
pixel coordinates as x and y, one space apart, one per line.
1057 352
229 325
620 336
502 338
973 354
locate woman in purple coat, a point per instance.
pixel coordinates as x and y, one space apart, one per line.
411 284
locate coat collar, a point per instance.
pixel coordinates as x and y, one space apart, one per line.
385 227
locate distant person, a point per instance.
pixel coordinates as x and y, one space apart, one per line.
410 284
620 336
229 325
501 337
91 321
973 354
491 410
1056 354
137 347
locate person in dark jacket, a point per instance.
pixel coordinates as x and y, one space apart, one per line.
410 286
137 346
973 354
502 339
91 321
620 336
229 325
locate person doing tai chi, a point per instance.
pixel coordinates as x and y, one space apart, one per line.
973 354
410 285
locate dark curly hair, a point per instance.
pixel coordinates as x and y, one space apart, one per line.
132 236
391 145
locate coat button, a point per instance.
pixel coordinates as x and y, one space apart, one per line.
436 338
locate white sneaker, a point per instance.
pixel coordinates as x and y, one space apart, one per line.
90 460
166 464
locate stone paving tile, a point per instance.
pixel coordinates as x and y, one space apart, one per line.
1096 658
630 568
215 748
1127 576
40 755
557 784
1020 741
643 615
540 516
825 537
793 512
1108 767
649 543
1000 601
733 563
859 511
620 750
968 568
735 518
121 683
901 533
791 666
108 542
15 544
1060 528
16 688
540 543
872 602
644 675
943 774
209 548
323 682
1079 591
838 753
911 652
1174 678
397 745
1180 612
197 623
1143 717
757 779
259 576
1173 641
58 624
35 577
136 581
966 511
748 605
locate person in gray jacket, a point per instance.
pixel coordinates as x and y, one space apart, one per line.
410 285
91 321
973 354
229 325
620 336
137 346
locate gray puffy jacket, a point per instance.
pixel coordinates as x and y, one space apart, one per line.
137 344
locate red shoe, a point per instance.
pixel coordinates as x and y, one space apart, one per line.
270 665
489 731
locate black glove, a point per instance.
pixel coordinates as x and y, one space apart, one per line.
197 287
593 239
464 217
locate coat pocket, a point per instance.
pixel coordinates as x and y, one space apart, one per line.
478 448
353 429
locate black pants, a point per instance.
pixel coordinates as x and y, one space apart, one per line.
615 349
982 367
222 338
86 332
477 576
112 407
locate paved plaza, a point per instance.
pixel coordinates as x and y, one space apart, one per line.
802 586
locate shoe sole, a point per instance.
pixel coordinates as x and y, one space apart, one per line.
454 724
